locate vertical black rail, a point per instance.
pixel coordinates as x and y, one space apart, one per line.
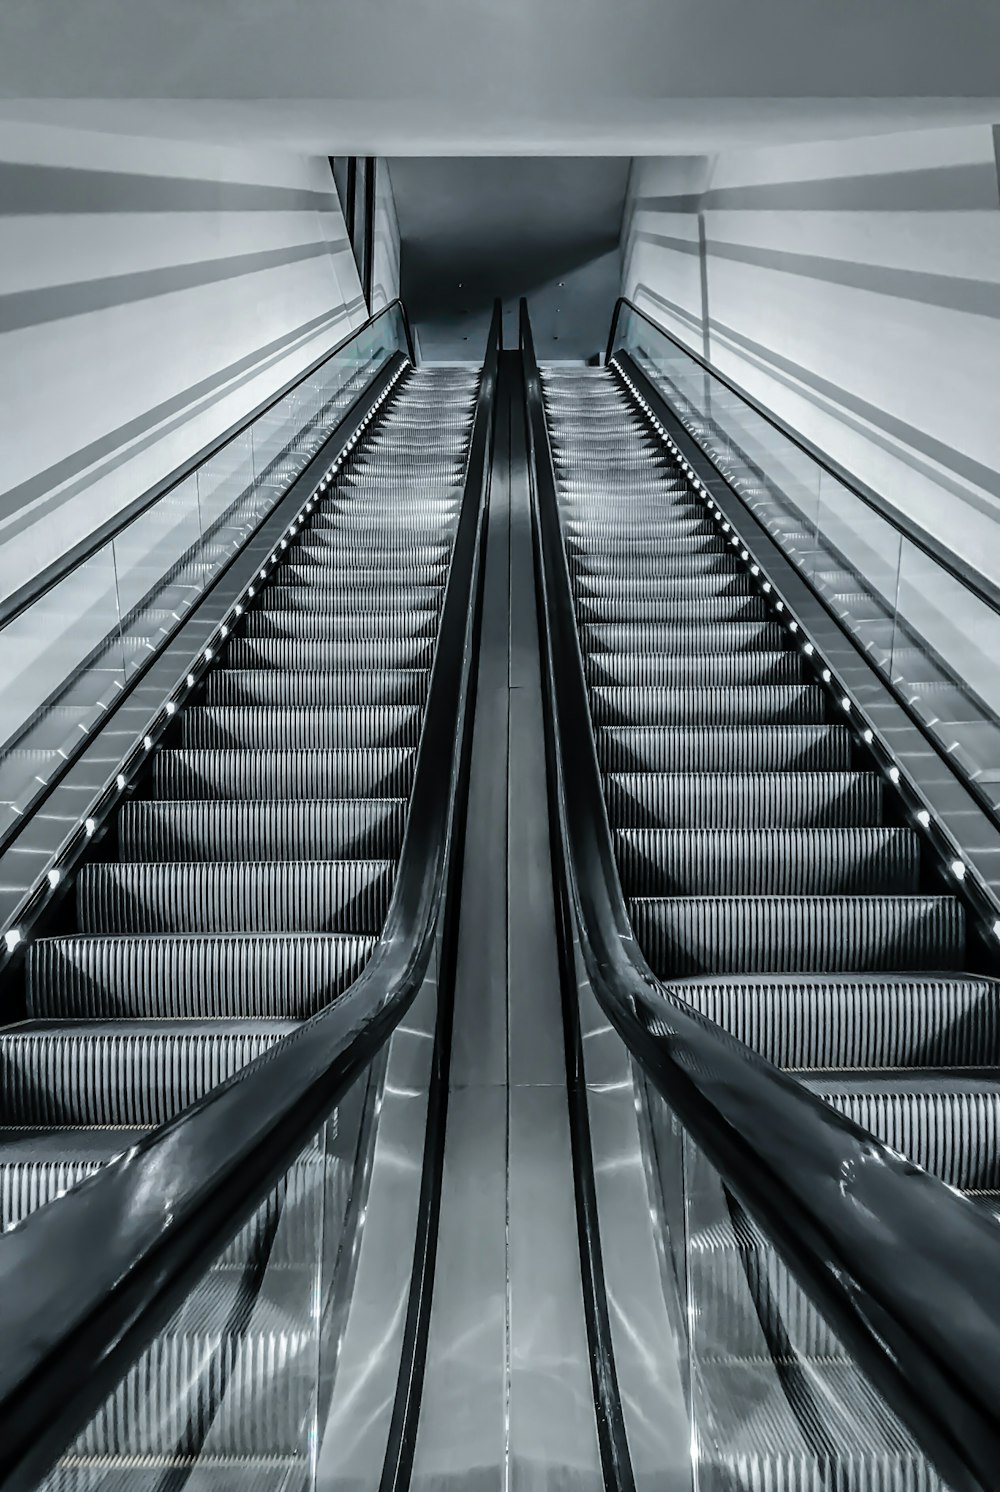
368 238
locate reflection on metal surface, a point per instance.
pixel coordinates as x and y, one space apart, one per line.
650 1354
352 1442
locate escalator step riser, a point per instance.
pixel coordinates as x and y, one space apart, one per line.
793 704
768 862
102 1077
344 829
294 727
296 653
651 558
349 896
584 538
752 748
780 800
954 1134
717 637
380 597
894 1022
408 626
688 936
199 977
362 576
667 587
673 670
700 610
382 772
228 686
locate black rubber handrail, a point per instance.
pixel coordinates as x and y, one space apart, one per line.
906 1272
19 601
87 1281
958 569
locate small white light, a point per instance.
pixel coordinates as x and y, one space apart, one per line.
147 742
734 541
780 606
923 818
868 737
808 649
274 558
224 630
767 586
755 569
238 609
53 877
958 869
11 938
996 928
284 543
171 707
793 626
744 555
121 782
263 574
894 776
250 591
208 655
190 681
845 703
725 528
826 676
89 827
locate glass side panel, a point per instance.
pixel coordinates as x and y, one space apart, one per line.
233 1392
930 636
774 1398
65 659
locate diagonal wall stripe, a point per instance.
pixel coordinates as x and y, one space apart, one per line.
145 430
966 188
29 190
26 308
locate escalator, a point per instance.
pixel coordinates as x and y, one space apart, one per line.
774 877
241 889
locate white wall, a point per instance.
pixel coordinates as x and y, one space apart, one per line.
854 288
151 294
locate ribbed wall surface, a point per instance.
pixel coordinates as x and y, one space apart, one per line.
764 884
238 898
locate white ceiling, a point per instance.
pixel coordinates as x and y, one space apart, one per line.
501 77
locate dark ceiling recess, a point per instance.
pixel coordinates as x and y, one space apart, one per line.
473 228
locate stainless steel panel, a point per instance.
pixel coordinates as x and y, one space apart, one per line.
352 1443
553 1432
461 1439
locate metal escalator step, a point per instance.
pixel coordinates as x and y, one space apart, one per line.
309 896
800 704
677 670
684 936
696 610
716 800
121 1073
667 587
211 1473
320 829
357 656
248 686
379 596
328 553
345 627
768 862
201 976
290 727
363 576
648 557
833 1021
584 537
723 748
377 772
715 637
37 1166
946 1122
